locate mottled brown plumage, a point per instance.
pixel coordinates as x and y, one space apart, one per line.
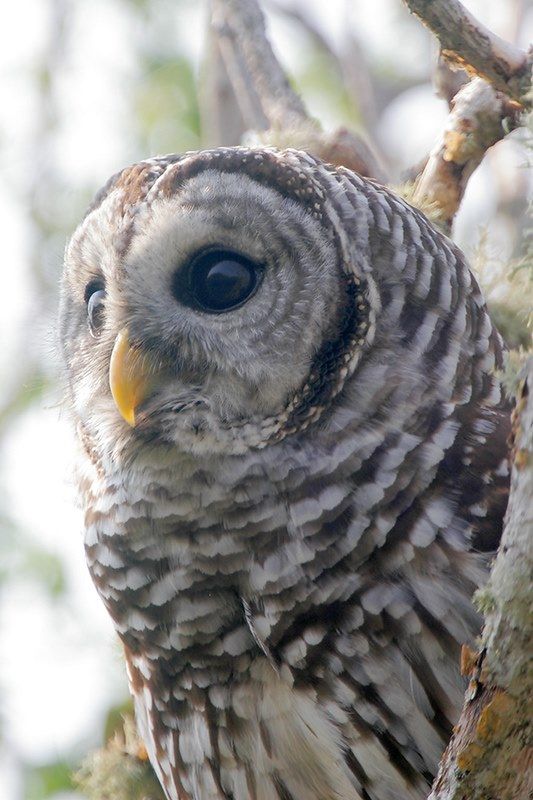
293 466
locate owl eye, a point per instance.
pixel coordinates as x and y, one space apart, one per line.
94 297
221 280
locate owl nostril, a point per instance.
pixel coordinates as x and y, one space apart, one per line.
217 281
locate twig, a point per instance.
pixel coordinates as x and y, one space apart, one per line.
479 118
352 71
490 754
259 81
299 14
222 122
267 101
467 42
359 81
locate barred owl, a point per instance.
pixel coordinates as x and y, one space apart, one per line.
293 469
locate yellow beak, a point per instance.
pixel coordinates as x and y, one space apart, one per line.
130 376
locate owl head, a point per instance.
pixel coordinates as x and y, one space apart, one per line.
225 300
214 301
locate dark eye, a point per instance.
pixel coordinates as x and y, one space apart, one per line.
220 280
94 297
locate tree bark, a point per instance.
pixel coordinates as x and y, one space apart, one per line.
479 118
470 45
490 756
482 112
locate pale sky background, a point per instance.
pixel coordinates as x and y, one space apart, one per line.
60 665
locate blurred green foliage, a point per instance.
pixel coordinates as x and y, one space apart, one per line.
48 780
24 559
320 81
166 105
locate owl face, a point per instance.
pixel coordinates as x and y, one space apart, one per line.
197 302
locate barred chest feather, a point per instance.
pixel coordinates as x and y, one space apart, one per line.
292 617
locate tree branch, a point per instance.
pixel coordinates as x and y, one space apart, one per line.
480 116
263 89
490 754
267 101
481 113
468 43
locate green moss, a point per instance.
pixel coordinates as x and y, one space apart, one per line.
120 770
431 209
514 362
484 600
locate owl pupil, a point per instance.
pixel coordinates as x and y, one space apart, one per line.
222 280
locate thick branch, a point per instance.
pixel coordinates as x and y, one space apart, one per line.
467 42
267 101
480 117
490 754
481 113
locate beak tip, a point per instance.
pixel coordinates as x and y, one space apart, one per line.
129 416
128 380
